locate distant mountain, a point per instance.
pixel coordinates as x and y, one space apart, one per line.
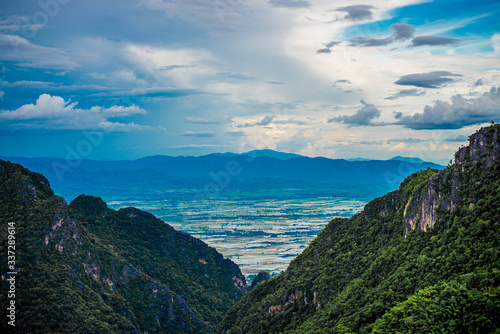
213 173
422 259
396 158
407 159
263 153
272 154
359 159
84 268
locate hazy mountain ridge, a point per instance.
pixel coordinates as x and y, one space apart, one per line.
85 267
420 259
157 173
264 153
408 159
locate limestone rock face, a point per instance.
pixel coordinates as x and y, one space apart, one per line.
442 189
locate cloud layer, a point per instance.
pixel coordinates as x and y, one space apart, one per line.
363 117
53 112
434 79
357 12
406 93
457 114
434 41
442 115
401 32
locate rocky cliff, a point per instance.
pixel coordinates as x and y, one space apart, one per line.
442 190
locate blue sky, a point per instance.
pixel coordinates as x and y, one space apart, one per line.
131 78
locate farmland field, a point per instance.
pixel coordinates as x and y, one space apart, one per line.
261 230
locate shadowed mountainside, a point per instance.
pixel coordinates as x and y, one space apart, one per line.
86 268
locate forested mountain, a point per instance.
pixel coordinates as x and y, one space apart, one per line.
84 268
422 259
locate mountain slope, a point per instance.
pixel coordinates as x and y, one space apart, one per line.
424 257
87 268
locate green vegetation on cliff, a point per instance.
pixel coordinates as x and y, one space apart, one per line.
424 258
85 268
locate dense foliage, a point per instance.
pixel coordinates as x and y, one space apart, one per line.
363 274
262 276
86 268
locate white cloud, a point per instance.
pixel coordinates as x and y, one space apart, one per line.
217 16
207 121
263 122
16 23
18 49
53 112
363 117
457 114
495 41
201 134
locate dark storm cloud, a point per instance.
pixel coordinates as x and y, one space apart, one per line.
364 41
357 12
327 48
362 117
265 121
331 44
434 79
405 93
402 31
434 41
479 82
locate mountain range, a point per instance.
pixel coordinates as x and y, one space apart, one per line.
210 174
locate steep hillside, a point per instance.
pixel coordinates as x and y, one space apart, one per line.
89 269
424 258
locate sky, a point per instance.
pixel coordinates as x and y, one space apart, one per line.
124 79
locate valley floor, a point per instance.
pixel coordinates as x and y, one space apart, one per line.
258 233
